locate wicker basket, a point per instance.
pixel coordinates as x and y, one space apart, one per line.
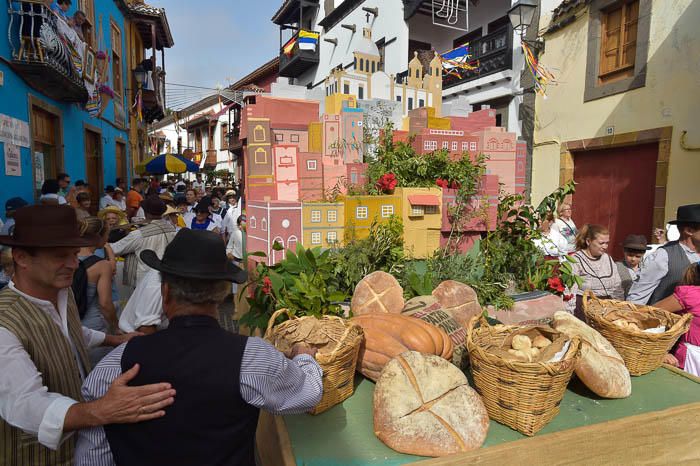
642 352
524 396
338 361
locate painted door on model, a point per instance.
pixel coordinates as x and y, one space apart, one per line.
615 188
93 168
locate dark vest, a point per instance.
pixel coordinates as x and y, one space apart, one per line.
625 277
677 263
209 423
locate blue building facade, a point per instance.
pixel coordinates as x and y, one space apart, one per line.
44 98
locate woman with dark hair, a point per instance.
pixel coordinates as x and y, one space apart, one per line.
49 193
595 266
686 299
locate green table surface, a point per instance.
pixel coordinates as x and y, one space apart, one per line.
344 434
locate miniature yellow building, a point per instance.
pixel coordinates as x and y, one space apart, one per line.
323 223
421 214
361 211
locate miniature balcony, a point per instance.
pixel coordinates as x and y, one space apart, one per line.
493 53
46 52
295 61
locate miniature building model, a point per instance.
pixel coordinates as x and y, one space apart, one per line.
302 155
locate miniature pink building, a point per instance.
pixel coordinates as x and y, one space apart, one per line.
270 223
499 145
483 220
455 141
351 136
520 166
356 174
286 172
310 176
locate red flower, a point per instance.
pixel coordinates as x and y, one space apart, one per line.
442 183
568 297
387 182
556 284
267 286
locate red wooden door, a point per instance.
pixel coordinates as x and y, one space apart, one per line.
616 189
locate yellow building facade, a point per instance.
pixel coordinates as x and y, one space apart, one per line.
421 214
621 98
361 211
323 224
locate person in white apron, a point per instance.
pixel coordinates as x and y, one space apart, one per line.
686 299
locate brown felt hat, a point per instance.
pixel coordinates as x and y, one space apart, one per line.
47 226
635 243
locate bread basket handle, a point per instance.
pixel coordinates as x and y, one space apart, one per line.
273 318
681 322
346 334
472 326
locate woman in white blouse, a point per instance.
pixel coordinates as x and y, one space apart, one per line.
565 226
551 243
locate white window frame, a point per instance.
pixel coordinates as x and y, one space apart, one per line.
253 222
263 224
311 165
445 144
426 145
430 209
332 216
361 212
332 237
417 211
315 237
454 145
387 210
315 216
472 146
465 146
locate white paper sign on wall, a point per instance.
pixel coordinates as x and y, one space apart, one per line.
13 160
14 131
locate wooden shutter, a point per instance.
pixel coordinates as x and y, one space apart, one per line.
116 40
612 33
629 42
88 7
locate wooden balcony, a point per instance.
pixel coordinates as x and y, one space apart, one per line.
154 98
492 53
211 158
297 61
44 53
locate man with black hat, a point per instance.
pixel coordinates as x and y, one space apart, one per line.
222 379
664 268
155 235
43 348
629 267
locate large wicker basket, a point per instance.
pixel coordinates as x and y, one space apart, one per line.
642 352
524 396
338 359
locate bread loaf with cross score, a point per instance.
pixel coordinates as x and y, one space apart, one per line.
377 293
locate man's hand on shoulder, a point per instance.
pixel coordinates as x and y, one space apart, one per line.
116 340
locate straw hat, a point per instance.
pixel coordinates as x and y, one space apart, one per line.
113 210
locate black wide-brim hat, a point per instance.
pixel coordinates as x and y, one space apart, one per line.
687 214
47 226
196 254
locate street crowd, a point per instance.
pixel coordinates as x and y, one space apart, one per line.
106 320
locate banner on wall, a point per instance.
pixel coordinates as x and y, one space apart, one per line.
13 161
14 131
38 169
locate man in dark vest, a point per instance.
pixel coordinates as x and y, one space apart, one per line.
222 379
665 267
43 348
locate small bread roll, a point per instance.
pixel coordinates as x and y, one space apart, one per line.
521 342
634 327
519 355
541 342
622 323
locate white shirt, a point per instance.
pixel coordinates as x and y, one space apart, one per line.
190 216
654 269
105 201
235 244
5 230
552 244
567 229
61 200
198 186
145 307
25 401
134 242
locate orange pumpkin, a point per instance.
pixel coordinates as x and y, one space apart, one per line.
388 335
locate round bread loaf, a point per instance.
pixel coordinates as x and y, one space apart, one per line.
458 300
600 367
423 405
378 292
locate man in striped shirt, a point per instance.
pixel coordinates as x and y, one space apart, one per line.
222 379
